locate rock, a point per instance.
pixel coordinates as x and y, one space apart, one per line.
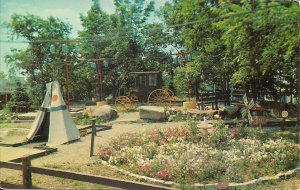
77 114
168 113
172 111
105 112
152 113
171 118
281 176
211 186
88 110
101 103
168 183
222 186
198 186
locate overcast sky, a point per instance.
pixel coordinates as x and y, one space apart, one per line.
66 10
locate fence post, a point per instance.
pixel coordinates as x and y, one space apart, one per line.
93 136
26 170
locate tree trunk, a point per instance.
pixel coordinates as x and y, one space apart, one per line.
197 88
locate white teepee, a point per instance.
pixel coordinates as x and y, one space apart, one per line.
53 120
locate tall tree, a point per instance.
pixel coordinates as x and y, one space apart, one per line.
37 62
96 28
126 40
19 101
193 21
261 38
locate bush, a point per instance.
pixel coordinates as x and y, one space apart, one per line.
19 101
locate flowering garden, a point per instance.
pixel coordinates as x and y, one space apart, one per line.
186 155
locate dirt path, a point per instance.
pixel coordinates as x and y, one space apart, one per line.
78 152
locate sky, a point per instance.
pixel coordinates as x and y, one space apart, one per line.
66 10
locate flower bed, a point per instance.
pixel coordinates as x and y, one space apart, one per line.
185 155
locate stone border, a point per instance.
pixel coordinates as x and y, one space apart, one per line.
210 186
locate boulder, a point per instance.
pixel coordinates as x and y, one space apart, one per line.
152 113
171 118
106 112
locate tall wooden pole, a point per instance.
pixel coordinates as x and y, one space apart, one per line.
99 69
67 81
298 85
26 172
93 136
101 82
298 77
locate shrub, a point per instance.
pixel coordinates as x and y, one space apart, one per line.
19 101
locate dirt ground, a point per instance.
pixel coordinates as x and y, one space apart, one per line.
79 152
76 156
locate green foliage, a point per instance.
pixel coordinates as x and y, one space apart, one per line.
124 38
202 39
2 75
5 111
85 120
37 62
220 136
262 45
5 121
126 108
19 101
250 43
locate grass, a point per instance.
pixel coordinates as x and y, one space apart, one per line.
15 132
291 134
83 121
290 184
126 108
86 120
5 121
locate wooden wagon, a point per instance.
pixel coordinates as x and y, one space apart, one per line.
147 87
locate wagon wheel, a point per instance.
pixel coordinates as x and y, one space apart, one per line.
133 97
159 97
171 95
122 101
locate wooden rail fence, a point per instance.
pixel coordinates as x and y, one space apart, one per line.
214 98
27 170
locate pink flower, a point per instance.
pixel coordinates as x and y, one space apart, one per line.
145 168
137 142
164 140
163 174
171 133
154 135
182 132
105 153
261 161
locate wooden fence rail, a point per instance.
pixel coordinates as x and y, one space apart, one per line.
214 98
27 169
